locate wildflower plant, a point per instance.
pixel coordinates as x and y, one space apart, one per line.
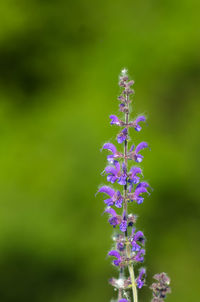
129 243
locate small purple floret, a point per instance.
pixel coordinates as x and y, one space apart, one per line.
139 119
135 247
134 154
139 236
139 257
141 278
107 190
136 239
115 154
116 197
115 174
141 146
110 147
115 219
133 178
115 254
122 136
123 226
114 120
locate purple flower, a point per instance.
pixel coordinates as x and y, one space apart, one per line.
116 121
162 278
135 124
121 98
122 136
123 176
113 149
133 178
135 239
139 257
140 279
141 188
120 246
135 246
128 91
114 219
142 184
139 236
128 246
131 219
116 197
115 254
160 288
134 154
115 174
123 108
130 83
136 195
123 225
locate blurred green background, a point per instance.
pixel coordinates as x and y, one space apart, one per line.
59 67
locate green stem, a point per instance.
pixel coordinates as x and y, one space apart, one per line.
132 275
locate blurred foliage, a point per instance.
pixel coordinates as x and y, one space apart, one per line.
59 66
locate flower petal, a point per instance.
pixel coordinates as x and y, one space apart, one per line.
135 247
141 146
109 202
122 136
114 253
140 280
110 211
117 166
142 184
115 120
110 169
140 118
132 147
140 190
111 178
110 147
123 226
107 190
139 257
139 236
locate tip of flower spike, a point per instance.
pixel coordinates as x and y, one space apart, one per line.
124 72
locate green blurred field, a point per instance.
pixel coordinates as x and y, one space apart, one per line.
59 66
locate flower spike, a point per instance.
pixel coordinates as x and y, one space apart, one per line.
129 243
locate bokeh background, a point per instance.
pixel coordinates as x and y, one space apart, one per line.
59 67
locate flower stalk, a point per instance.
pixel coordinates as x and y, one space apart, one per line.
128 249
129 243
